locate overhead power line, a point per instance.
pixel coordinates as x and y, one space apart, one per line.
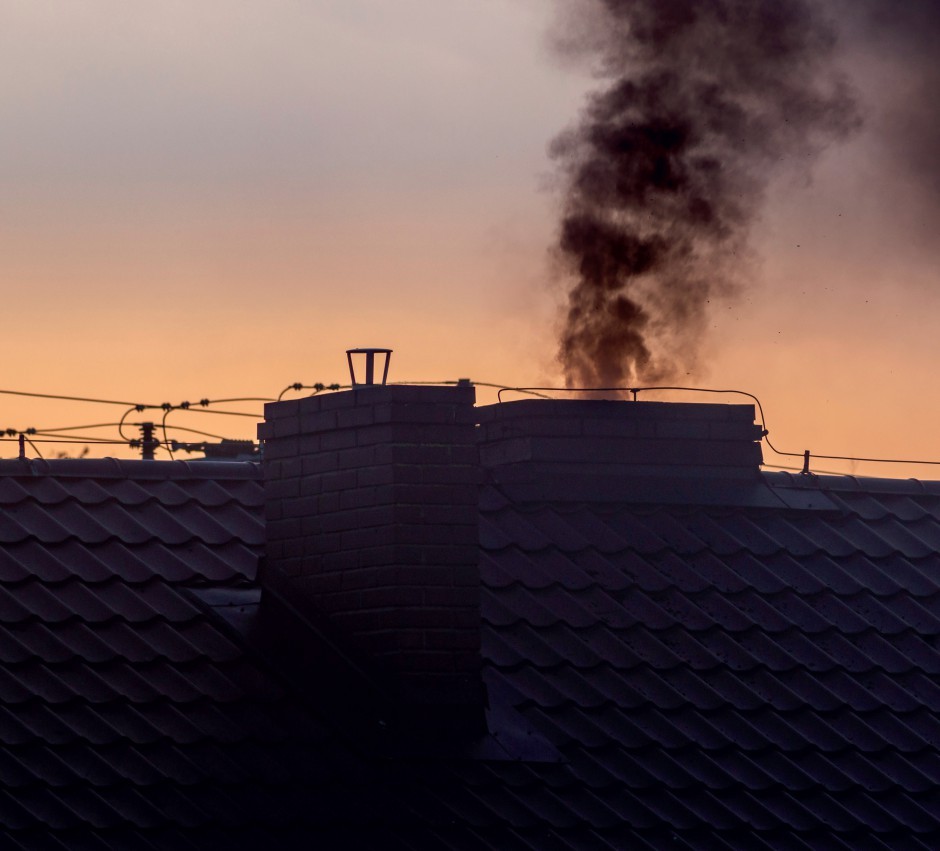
204 405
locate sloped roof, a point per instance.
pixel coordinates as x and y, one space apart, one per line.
763 676
128 716
662 672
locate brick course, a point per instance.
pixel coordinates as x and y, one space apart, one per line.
372 498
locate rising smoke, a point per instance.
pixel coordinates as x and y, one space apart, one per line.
667 168
900 39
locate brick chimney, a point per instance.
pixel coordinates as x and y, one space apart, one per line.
600 450
372 518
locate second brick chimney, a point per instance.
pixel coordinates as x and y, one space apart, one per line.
372 518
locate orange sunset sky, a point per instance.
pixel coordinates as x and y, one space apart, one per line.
215 198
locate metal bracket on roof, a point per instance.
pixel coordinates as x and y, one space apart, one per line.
805 471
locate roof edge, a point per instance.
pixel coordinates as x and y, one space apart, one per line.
782 479
119 468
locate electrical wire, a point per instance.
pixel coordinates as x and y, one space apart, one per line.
539 392
124 417
197 431
76 439
166 441
65 440
317 388
451 383
63 398
77 428
239 399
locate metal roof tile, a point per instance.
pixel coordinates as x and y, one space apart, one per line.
798 612
614 646
915 771
917 614
145 642
727 533
914 540
848 615
770 689
569 531
45 807
716 572
639 533
671 528
757 573
868 537
806 647
750 609
708 690
768 812
728 688
641 607
43 489
919 651
876 506
656 688
834 574
687 725
765 648
12 492
796 573
35 639
913 813
869 648
919 577
913 732
99 644
145 723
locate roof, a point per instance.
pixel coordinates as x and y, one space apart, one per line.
723 673
129 717
767 675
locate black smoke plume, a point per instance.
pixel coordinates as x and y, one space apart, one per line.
667 168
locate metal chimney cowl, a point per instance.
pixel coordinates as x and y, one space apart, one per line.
368 356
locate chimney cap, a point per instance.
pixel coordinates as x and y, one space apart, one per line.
370 353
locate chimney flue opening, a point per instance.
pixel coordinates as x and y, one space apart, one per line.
368 355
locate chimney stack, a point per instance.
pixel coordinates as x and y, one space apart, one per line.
372 517
600 450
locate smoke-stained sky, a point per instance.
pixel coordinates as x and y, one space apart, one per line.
666 171
217 198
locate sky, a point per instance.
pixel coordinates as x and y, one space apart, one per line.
211 199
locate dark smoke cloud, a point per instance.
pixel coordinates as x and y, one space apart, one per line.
667 168
902 38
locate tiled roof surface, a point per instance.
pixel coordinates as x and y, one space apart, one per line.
128 717
676 676
767 676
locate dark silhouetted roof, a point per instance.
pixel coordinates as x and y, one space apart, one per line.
128 716
755 668
765 676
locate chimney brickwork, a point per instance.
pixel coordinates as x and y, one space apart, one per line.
372 512
587 447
